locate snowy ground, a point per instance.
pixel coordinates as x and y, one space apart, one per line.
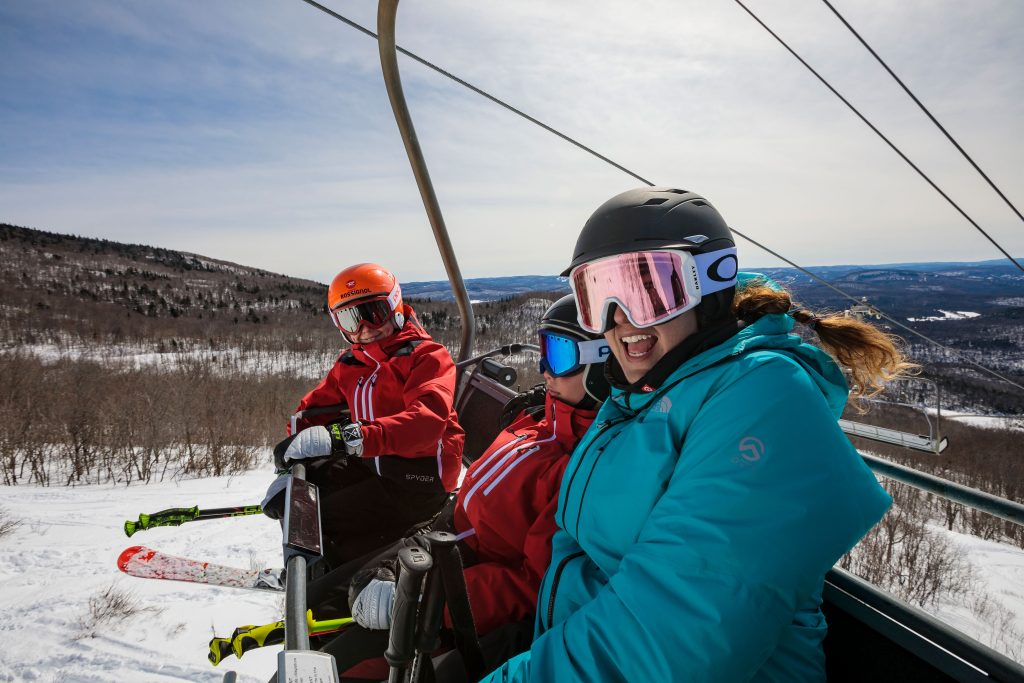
946 315
229 362
64 551
988 421
994 613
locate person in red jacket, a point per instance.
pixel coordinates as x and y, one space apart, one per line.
505 511
392 463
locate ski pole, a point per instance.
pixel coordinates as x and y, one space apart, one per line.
178 516
246 638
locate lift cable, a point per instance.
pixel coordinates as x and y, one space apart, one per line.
478 91
925 110
882 136
590 151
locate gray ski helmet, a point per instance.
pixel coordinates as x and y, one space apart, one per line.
658 218
562 316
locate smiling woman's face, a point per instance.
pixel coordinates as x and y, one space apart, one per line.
367 335
639 349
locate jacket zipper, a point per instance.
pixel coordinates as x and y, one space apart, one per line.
355 407
600 430
554 584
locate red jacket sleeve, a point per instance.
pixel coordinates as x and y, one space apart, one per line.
504 592
328 392
428 395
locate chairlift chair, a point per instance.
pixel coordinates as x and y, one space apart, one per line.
934 442
873 636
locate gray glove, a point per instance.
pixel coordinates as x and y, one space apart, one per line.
372 607
273 502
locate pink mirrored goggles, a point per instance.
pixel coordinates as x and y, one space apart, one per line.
651 287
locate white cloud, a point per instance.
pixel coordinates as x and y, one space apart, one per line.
260 132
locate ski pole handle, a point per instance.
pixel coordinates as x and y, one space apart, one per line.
414 563
179 516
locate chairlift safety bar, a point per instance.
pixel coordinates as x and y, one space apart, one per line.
958 493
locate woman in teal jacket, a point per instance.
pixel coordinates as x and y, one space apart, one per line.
699 514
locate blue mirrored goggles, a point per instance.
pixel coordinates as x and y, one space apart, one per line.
561 355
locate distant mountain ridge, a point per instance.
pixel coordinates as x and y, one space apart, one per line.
496 288
487 288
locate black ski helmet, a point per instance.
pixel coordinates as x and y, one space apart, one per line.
658 218
562 316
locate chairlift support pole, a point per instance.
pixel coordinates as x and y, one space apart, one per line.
387 11
301 541
296 633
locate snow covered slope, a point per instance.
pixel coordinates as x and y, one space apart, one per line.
63 554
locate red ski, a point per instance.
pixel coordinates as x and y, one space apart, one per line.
147 563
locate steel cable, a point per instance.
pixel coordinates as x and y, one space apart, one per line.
492 98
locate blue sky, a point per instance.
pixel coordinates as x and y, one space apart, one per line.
258 131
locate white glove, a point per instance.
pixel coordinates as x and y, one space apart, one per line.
372 607
312 442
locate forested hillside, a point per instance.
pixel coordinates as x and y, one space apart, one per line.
127 362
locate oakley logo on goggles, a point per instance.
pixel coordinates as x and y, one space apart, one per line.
561 355
651 287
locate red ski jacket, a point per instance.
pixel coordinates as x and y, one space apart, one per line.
506 512
401 390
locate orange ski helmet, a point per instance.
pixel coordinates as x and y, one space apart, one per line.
365 294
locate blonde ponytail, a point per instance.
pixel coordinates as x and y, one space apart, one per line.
872 356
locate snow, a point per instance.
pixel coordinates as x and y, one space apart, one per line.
998 422
64 552
999 574
65 549
225 361
946 315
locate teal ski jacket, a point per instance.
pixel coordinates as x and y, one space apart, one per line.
697 522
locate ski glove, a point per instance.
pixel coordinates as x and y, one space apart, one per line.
320 442
279 451
273 502
372 607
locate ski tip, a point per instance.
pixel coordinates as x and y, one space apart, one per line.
140 552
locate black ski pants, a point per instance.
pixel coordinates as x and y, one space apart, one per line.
361 511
